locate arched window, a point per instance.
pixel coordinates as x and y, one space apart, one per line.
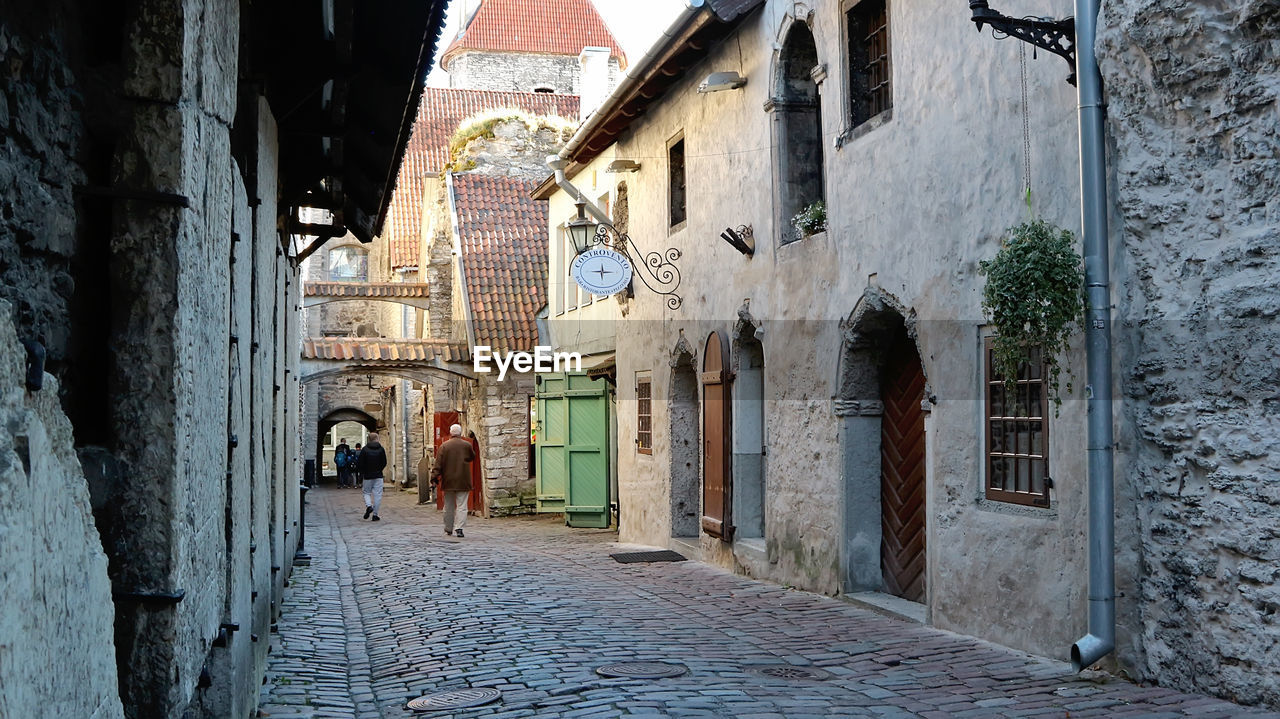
799 128
348 264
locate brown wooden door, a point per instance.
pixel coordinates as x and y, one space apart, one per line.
716 433
902 508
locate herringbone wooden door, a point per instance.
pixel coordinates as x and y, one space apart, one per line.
902 510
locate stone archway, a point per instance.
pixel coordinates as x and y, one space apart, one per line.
796 105
683 409
881 388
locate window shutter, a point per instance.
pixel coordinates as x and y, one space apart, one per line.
717 489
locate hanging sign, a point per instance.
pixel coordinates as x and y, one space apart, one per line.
602 272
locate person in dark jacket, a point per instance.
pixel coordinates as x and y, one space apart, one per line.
369 463
357 480
342 456
453 472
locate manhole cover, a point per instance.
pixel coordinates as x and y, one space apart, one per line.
454 699
641 670
787 671
665 555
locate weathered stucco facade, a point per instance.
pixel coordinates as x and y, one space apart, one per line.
810 303
915 198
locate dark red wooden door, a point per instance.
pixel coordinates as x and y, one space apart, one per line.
902 508
716 428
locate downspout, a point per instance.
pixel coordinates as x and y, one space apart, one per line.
1101 639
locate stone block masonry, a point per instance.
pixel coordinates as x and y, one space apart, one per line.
142 256
1192 98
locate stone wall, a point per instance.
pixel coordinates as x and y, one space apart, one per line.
1192 104
49 537
519 72
498 413
169 314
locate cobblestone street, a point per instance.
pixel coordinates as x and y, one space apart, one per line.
393 610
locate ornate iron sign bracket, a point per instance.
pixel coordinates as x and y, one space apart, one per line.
1056 36
657 271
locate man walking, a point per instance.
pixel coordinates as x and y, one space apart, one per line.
453 471
342 458
369 464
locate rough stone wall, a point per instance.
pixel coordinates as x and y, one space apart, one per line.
498 413
54 583
1192 89
519 72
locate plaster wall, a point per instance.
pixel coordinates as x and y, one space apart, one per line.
1192 105
588 328
914 204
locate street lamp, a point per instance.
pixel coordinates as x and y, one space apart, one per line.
581 230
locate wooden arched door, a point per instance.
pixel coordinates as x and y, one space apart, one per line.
902 478
716 437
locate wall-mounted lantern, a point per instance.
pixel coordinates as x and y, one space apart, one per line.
582 230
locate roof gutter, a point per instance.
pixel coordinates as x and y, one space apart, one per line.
636 74
643 68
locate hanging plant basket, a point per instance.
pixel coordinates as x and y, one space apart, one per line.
1034 296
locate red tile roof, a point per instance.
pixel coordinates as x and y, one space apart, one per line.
548 27
365 289
439 114
503 232
390 350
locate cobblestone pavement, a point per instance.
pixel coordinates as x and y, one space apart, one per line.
392 610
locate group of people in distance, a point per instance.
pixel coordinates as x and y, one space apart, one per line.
365 465
451 475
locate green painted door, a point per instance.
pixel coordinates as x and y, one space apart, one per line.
573 444
552 430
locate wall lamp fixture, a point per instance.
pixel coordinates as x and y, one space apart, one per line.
622 166
718 81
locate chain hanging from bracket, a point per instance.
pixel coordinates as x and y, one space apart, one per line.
1056 36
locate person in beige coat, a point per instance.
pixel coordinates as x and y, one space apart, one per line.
453 472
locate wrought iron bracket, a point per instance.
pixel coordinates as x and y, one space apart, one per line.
657 270
1056 36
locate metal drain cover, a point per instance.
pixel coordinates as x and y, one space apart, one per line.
454 699
788 671
641 670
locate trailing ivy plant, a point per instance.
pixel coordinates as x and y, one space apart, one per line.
1034 297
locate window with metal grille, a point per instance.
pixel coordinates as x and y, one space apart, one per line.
644 415
1017 445
870 92
675 161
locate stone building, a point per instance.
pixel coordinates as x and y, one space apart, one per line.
472 127
823 411
153 156
552 46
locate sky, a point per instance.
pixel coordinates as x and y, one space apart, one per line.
636 24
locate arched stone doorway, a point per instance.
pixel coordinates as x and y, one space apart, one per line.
882 385
335 418
683 412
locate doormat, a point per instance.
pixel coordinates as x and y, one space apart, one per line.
665 555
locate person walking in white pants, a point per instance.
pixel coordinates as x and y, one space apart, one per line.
370 464
453 473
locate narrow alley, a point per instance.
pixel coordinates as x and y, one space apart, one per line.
392 611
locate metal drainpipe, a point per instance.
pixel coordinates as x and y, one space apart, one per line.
1101 639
